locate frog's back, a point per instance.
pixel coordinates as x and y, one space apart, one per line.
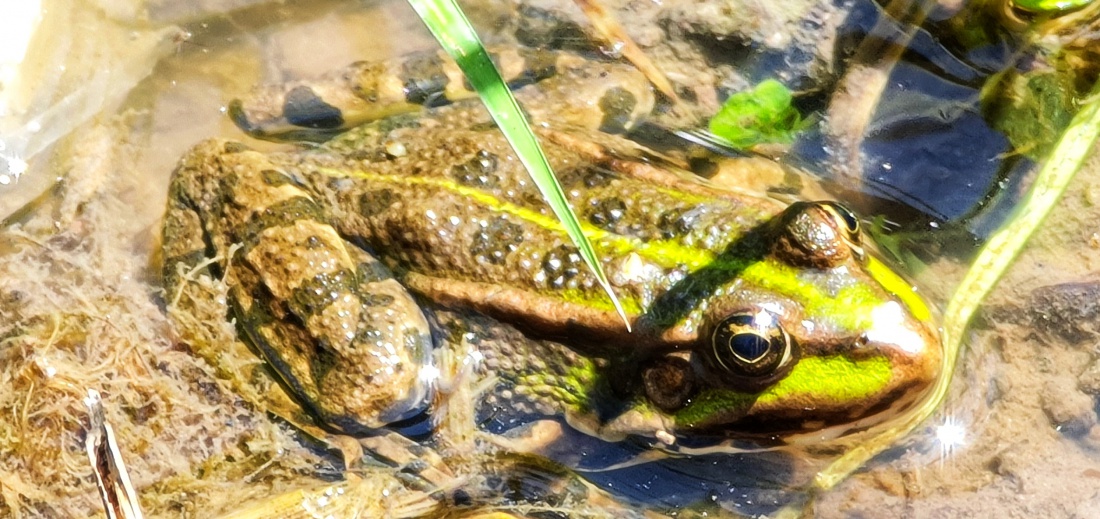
451 203
743 311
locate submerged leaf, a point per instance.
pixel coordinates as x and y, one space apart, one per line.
1030 109
761 115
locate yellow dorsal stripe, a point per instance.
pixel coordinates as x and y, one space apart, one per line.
849 308
662 252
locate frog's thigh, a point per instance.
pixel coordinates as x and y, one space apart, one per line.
181 240
347 339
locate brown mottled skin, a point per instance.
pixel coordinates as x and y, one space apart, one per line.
445 206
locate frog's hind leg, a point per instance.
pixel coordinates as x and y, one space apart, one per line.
342 334
317 109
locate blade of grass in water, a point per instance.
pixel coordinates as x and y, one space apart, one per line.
450 27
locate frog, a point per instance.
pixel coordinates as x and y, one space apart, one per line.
407 221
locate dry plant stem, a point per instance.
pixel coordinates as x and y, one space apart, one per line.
857 96
612 31
119 499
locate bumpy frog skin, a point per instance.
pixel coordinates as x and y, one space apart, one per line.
751 319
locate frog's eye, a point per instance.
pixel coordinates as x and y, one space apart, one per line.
844 216
847 222
816 234
751 345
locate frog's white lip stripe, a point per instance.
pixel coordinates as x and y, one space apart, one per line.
890 327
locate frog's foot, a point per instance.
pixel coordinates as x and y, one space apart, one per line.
345 337
489 478
419 466
536 437
532 485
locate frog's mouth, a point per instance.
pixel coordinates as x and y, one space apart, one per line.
825 393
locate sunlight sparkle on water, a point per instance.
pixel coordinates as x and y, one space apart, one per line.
429 374
11 168
950 435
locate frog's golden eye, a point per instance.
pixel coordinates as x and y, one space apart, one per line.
843 215
847 222
751 345
821 235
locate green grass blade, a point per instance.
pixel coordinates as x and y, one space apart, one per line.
450 27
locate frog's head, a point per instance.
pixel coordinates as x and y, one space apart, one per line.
814 336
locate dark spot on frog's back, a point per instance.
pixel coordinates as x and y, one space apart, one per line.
377 299
322 361
425 80
618 107
676 222
313 295
304 108
372 271
274 178
374 202
561 264
597 178
497 240
583 177
280 214
478 171
234 147
607 212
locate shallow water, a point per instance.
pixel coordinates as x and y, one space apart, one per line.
1025 397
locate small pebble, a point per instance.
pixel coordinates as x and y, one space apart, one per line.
1089 381
1068 409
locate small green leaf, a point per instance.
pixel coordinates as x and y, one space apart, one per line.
761 115
450 27
1050 6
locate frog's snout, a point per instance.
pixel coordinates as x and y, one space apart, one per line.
911 345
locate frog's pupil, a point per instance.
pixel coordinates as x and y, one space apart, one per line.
749 346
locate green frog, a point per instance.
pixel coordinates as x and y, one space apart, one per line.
748 318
